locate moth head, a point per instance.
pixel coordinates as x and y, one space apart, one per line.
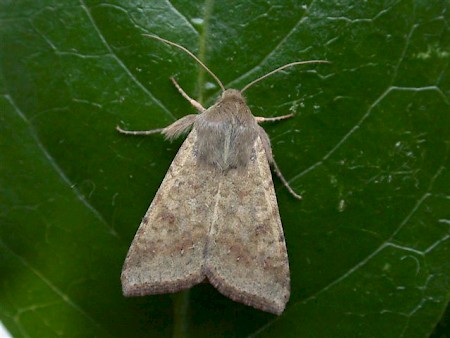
232 95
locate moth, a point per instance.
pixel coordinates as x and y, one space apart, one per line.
215 216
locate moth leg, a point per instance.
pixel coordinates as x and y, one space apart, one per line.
266 144
277 171
260 119
196 104
139 132
170 132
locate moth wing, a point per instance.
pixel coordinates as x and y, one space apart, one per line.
246 257
167 252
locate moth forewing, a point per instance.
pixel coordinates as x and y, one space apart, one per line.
167 252
246 257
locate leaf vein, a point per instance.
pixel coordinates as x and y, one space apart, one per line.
266 57
185 19
121 64
51 286
57 169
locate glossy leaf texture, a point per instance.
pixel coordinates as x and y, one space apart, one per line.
368 149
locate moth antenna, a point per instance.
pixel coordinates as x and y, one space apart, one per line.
190 54
281 68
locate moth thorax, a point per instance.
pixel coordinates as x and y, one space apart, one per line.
227 147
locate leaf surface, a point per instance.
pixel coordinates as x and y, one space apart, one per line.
368 149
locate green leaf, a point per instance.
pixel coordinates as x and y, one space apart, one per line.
368 149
